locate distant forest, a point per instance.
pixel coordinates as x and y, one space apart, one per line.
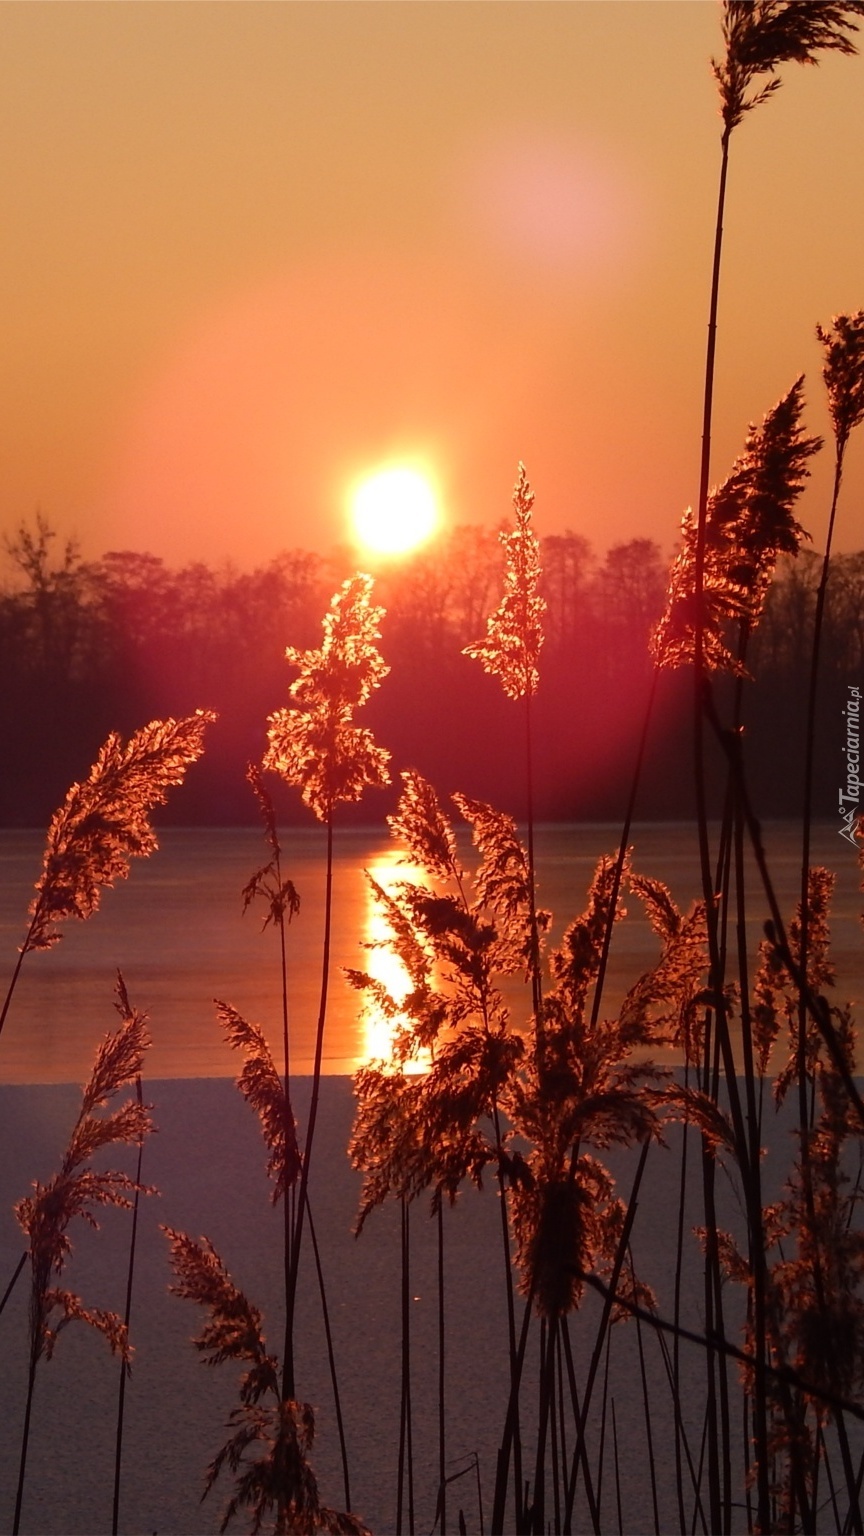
87 647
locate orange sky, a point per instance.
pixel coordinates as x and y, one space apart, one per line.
250 249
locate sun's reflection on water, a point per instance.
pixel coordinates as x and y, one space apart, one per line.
385 966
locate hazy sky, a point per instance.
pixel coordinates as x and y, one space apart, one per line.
250 249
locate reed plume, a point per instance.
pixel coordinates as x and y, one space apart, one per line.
280 896
578 1088
511 652
514 635
317 746
760 35
843 375
749 523
262 1088
777 992
103 823
79 1190
415 1133
277 1486
843 372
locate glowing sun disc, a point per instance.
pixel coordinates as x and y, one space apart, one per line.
394 510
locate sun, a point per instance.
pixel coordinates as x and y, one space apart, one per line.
394 509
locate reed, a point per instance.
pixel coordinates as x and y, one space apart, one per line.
103 824
505 1066
79 1190
315 745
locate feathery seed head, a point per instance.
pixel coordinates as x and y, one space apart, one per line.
77 1189
103 823
515 630
843 372
749 523
317 746
261 1086
422 825
278 1485
760 35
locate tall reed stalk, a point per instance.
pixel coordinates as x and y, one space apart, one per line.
316 746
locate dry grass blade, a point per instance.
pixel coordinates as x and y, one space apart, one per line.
103 823
261 1086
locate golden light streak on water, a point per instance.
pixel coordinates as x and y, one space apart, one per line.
385 966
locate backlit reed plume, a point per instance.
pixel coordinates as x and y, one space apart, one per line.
579 1087
531 1099
277 1486
776 994
103 824
316 745
511 652
514 636
749 524
677 983
759 36
78 1190
433 1131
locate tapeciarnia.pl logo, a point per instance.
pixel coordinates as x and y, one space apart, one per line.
849 797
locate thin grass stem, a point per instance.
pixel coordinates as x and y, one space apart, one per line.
331 1357
617 1465
604 1323
592 1497
442 1406
127 1316
649 1439
14 1281
288 1382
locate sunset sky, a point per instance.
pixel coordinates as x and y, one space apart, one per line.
252 250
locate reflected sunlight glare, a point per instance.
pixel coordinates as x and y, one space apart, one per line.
385 966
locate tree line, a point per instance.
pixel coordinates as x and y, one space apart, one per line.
90 646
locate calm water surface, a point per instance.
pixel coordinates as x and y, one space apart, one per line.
177 931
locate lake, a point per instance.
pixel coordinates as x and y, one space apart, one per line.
176 930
